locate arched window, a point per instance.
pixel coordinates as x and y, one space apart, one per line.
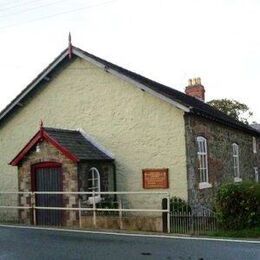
94 184
235 149
203 161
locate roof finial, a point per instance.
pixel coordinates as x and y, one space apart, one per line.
41 124
70 46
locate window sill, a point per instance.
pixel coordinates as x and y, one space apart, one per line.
237 179
204 185
91 200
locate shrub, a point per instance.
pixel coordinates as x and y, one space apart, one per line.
237 205
178 205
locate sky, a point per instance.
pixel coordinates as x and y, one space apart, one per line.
168 41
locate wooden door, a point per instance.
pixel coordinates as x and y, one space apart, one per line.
48 178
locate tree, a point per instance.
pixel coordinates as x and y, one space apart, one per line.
232 108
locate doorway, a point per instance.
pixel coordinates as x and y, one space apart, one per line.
47 177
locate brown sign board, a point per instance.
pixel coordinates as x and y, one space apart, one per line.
155 179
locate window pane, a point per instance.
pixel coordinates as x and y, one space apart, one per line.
93 180
202 157
235 148
199 147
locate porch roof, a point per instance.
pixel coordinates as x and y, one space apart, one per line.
80 145
72 143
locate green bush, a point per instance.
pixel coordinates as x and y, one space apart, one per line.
178 205
237 205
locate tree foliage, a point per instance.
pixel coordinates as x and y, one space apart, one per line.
232 108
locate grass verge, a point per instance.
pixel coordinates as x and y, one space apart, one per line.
243 233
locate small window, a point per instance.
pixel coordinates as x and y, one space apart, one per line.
203 162
256 174
235 149
37 148
94 184
254 145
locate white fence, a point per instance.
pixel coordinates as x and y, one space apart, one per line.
85 209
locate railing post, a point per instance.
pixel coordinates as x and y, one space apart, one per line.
94 210
164 215
120 215
192 223
33 201
168 214
80 220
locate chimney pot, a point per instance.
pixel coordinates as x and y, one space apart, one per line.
195 89
198 81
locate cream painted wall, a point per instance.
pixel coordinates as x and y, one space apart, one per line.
142 131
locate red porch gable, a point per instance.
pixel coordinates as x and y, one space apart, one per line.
37 138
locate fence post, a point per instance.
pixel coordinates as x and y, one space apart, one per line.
120 215
94 210
80 220
168 214
165 215
193 218
33 201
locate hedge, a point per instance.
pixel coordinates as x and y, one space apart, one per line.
237 205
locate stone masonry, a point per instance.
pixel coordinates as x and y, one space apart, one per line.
220 159
49 153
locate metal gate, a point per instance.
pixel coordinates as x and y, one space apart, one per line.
191 219
48 179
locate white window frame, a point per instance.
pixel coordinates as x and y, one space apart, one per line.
38 148
202 153
256 174
236 168
95 176
254 145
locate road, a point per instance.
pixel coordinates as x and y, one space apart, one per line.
19 243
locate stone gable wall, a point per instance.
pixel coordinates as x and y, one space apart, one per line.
220 159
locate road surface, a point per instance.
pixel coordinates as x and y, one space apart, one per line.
20 243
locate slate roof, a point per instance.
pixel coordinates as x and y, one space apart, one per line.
77 144
256 126
196 107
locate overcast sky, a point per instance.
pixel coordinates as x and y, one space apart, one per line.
168 41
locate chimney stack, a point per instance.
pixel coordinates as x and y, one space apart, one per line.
195 89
